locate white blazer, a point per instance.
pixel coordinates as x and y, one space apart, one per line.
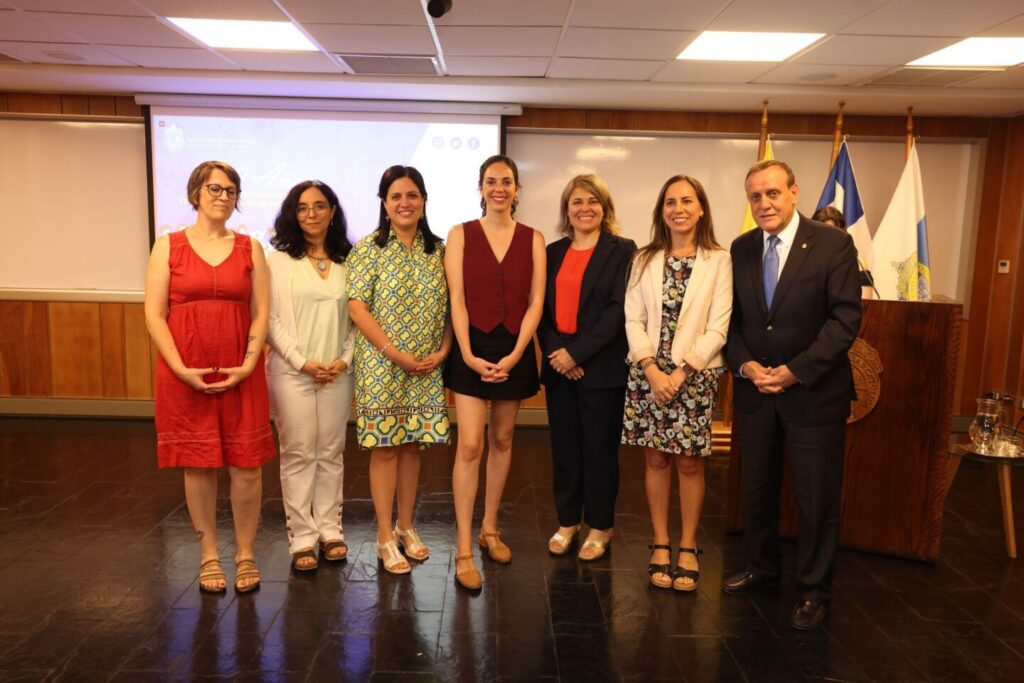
703 319
284 357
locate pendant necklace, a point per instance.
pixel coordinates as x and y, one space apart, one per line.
321 261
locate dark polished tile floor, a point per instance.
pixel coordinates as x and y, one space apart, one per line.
98 565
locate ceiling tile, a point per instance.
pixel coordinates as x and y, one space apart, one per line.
711 72
606 69
170 57
117 30
497 66
827 16
623 43
263 10
254 60
21 26
935 17
1014 27
35 52
814 74
681 15
872 50
507 13
125 8
374 40
394 12
498 41
1009 79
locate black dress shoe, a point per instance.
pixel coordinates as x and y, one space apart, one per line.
808 615
745 580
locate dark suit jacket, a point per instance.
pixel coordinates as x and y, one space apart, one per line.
812 323
599 345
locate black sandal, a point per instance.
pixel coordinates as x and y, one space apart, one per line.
665 569
327 549
683 573
302 555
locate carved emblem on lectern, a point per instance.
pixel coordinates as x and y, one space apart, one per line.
867 366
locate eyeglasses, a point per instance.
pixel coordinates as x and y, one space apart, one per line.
303 210
216 190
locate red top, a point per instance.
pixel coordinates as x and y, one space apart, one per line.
568 283
496 292
209 320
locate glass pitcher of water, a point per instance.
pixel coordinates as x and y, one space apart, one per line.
985 428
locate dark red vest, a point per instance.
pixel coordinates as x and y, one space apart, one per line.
496 293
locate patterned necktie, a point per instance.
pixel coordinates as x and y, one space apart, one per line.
771 269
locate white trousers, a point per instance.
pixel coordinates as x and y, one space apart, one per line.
311 426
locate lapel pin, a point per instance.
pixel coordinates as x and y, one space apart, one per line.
804 245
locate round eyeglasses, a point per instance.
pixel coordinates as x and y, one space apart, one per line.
216 190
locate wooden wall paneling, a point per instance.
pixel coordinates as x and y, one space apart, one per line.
102 105
998 330
112 350
126 106
1016 257
984 267
74 104
77 349
13 362
38 354
33 103
3 102
138 358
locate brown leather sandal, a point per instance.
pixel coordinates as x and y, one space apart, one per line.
306 554
469 579
246 569
329 550
495 547
211 572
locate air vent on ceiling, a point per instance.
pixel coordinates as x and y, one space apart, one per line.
391 65
934 78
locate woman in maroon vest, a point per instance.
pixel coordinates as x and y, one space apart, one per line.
496 269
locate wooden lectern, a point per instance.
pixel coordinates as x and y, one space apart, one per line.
894 482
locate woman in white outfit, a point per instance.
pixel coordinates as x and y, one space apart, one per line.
309 370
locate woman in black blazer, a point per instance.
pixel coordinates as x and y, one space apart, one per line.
582 334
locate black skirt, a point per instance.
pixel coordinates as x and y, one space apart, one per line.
492 346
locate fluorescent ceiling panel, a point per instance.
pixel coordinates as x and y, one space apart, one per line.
746 46
245 35
976 52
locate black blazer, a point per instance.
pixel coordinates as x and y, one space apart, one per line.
813 321
599 345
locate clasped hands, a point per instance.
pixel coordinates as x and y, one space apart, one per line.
664 386
417 366
492 372
564 364
194 378
769 380
324 373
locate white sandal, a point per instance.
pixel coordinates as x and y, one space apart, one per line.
563 543
394 561
410 543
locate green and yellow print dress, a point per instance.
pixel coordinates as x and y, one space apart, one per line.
407 294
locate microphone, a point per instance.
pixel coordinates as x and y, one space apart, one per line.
868 277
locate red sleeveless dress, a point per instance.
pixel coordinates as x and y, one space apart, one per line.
209 320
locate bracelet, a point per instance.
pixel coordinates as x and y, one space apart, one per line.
385 347
645 362
688 369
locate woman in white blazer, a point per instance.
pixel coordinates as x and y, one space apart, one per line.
309 369
678 303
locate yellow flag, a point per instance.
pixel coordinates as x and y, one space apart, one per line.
748 218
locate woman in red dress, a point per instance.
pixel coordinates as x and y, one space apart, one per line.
207 305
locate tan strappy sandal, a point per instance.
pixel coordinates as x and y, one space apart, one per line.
495 547
211 572
245 570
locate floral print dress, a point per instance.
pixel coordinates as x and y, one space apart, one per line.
683 425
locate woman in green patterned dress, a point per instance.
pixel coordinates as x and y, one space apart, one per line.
399 303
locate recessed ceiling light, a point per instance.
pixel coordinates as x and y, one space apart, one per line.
746 46
246 35
976 52
823 76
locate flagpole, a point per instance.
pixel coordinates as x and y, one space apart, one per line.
910 130
763 140
837 135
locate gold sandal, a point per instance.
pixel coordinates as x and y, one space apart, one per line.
394 561
469 579
496 549
210 572
559 545
409 543
593 549
246 569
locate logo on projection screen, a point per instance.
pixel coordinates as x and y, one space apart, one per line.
174 139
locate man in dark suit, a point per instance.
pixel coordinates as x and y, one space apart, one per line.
796 312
